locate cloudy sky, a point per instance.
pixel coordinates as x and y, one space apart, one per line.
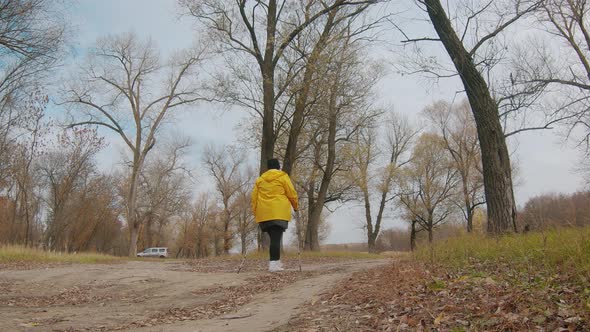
546 162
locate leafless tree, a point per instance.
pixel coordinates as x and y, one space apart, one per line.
246 226
469 42
344 108
310 46
196 229
455 124
428 185
262 30
119 89
66 169
23 185
376 164
32 34
562 73
164 190
225 165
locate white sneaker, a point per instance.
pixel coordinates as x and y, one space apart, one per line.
275 266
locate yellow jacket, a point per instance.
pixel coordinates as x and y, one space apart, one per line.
272 196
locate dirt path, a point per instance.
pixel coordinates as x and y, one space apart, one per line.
161 296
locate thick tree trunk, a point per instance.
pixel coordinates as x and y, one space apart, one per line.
369 220
312 241
267 144
377 229
132 217
267 68
496 161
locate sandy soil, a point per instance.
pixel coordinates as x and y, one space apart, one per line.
164 296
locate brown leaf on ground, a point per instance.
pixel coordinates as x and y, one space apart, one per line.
411 296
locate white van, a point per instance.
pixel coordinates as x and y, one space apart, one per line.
161 252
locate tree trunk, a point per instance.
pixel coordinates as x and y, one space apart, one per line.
132 218
413 236
495 158
267 68
309 225
27 218
371 244
430 235
369 220
312 241
148 231
227 236
470 220
133 243
377 229
467 202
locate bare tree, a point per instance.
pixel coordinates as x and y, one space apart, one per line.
23 183
455 124
562 74
65 171
164 190
339 23
118 89
343 109
428 185
196 229
225 166
32 34
464 45
31 38
369 176
262 30
246 226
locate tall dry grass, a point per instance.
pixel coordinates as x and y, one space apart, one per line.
12 254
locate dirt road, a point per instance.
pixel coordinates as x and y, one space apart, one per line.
164 295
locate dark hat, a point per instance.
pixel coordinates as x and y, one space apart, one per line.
273 164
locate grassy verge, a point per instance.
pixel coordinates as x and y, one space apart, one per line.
554 251
19 254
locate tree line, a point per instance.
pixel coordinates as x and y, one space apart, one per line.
305 73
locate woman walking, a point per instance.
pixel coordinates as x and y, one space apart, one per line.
272 198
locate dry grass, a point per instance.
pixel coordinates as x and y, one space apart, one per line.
17 254
554 251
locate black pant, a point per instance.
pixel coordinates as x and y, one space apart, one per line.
276 234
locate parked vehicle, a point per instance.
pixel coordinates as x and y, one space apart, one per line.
154 252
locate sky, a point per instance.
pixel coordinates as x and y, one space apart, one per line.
546 163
